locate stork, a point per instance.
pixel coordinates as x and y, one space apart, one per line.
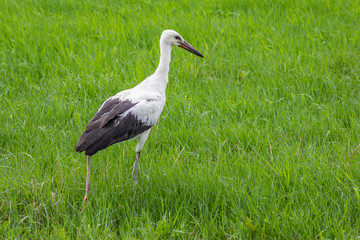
131 113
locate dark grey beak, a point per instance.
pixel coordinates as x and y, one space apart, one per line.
190 48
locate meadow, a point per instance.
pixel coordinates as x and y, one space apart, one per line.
258 140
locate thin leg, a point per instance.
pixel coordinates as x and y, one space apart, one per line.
87 177
135 169
141 141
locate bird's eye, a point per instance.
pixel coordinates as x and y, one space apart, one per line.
177 37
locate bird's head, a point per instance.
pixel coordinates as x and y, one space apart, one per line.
174 39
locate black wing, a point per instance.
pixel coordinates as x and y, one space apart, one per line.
108 127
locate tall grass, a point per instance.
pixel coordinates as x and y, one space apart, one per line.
258 140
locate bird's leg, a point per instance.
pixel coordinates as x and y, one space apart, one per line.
141 141
135 169
87 177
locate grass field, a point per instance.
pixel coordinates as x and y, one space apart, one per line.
259 140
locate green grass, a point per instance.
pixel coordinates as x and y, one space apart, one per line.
258 140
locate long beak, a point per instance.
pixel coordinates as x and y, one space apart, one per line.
190 48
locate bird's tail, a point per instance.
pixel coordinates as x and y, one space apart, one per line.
93 141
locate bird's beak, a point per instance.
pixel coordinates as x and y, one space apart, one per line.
190 48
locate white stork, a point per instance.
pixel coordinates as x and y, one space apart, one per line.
131 113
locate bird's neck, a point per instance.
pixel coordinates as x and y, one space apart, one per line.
165 58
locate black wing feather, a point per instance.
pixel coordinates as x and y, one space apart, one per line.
108 111
107 127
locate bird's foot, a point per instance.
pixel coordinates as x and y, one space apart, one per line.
134 184
134 179
83 203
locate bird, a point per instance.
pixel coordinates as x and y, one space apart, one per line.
131 113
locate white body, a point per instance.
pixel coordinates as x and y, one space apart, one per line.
150 93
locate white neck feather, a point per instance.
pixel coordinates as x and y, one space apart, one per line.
160 76
165 58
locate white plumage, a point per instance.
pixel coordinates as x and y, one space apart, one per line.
131 113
